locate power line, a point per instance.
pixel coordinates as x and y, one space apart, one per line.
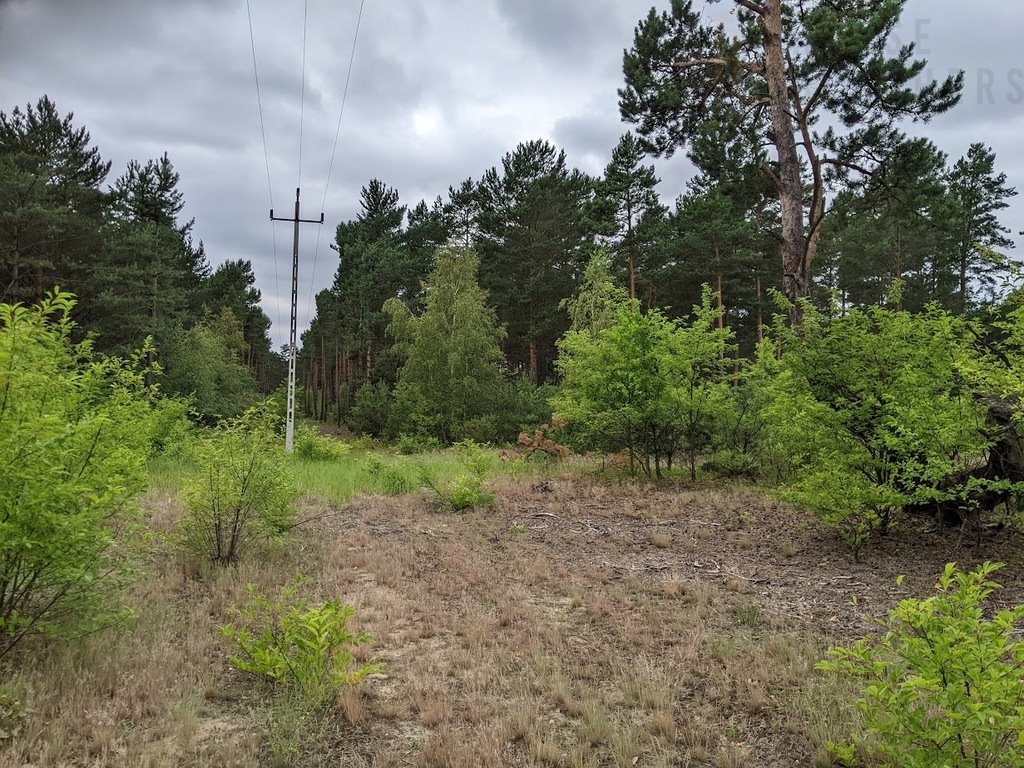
302 94
266 154
334 150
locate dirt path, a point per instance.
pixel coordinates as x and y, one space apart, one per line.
585 624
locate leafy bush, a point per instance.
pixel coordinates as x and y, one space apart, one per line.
311 445
241 494
647 384
173 433
394 479
874 414
467 490
74 436
411 444
372 411
291 642
942 686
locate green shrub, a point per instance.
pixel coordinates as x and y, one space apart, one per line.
242 493
394 479
647 384
312 445
408 444
75 433
942 686
871 413
372 410
467 490
293 643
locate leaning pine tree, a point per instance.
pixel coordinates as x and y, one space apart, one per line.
813 79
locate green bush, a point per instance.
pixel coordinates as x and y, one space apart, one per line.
408 444
372 410
646 384
872 413
242 493
75 433
942 686
306 647
467 490
394 479
312 445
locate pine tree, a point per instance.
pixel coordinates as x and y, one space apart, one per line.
716 239
149 278
624 198
981 193
462 212
51 205
814 79
533 240
896 227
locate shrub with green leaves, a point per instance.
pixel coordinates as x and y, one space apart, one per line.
874 413
467 490
312 445
293 643
942 686
242 493
646 383
75 432
395 478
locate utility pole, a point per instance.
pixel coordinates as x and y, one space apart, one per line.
289 434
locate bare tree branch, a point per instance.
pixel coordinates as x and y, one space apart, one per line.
750 5
750 66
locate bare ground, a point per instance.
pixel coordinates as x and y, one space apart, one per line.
580 623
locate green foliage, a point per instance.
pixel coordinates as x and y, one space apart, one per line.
647 384
466 490
598 300
240 495
202 364
173 433
74 437
395 479
300 645
942 686
534 237
312 445
373 410
875 414
625 205
409 444
452 352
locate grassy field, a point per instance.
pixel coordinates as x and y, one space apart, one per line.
584 621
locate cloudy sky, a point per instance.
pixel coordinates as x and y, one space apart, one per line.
439 92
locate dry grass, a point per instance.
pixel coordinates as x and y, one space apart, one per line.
626 626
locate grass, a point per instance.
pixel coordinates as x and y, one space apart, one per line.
579 623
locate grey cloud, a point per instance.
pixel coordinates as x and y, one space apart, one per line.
439 92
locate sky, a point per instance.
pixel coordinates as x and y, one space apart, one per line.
439 92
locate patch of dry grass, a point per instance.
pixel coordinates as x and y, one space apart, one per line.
594 640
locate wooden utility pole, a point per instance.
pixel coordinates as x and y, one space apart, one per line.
289 434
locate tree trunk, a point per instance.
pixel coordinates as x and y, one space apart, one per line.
534 369
795 272
632 255
760 321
